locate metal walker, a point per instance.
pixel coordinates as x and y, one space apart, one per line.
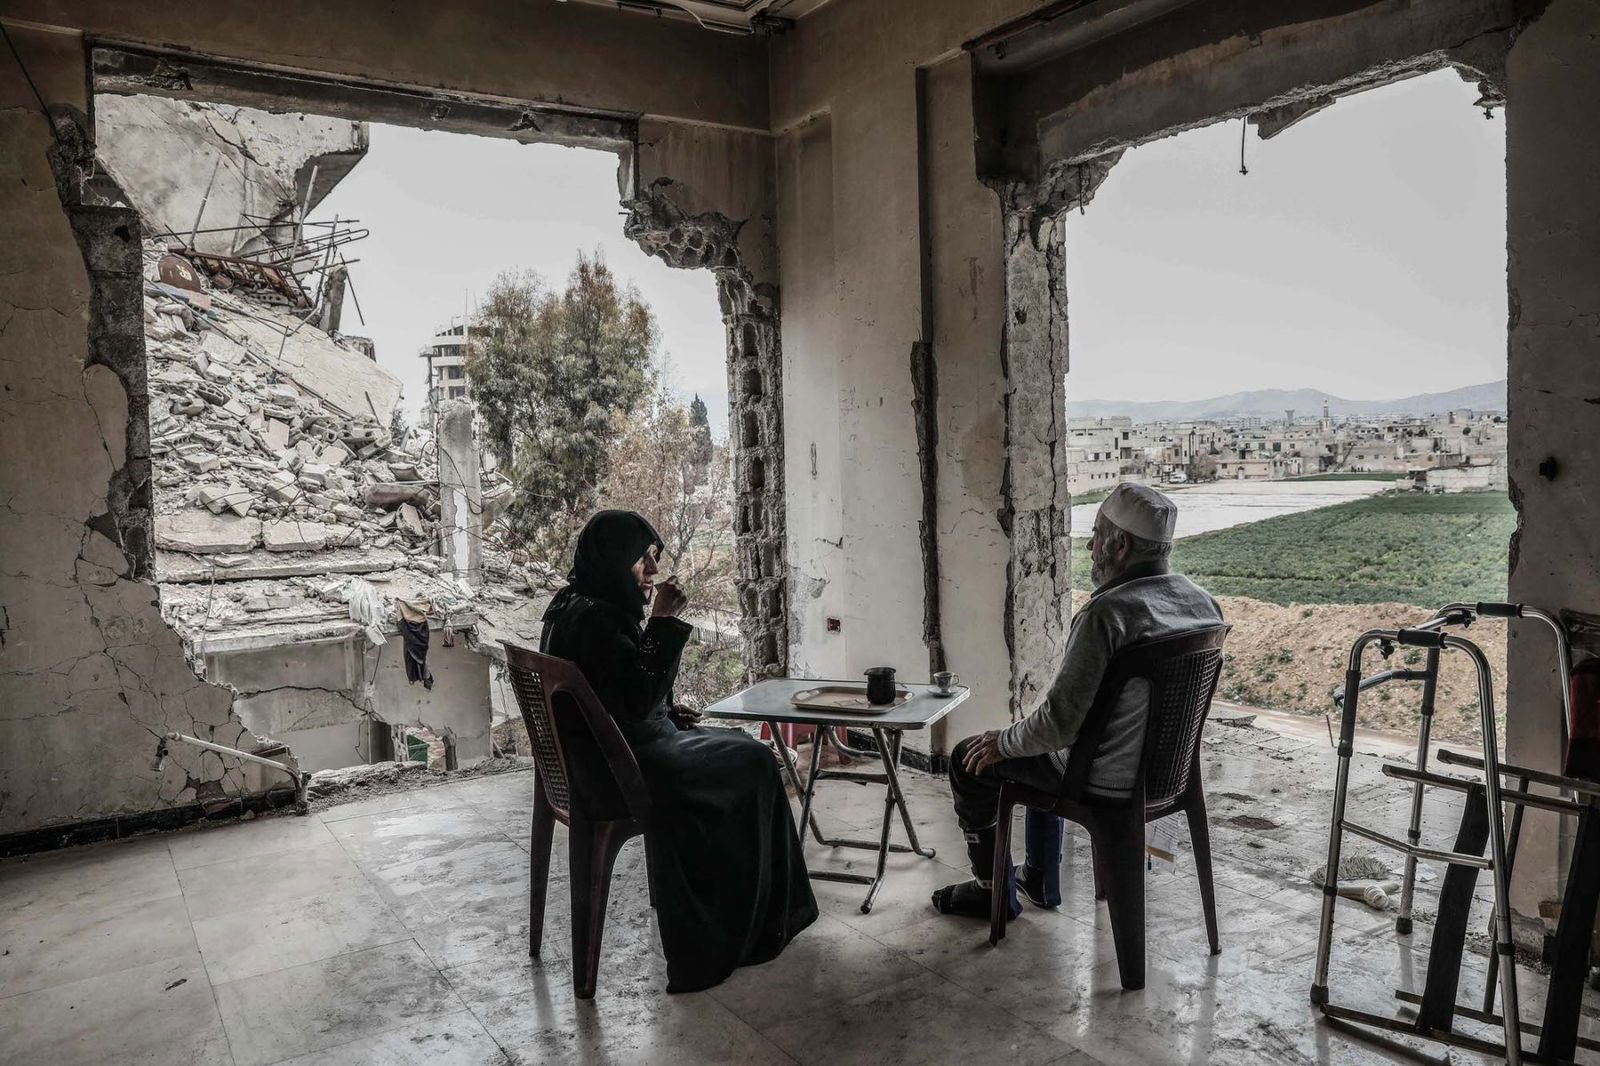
1482 825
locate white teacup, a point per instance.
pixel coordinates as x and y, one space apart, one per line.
944 682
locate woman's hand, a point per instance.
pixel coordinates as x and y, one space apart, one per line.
684 717
669 600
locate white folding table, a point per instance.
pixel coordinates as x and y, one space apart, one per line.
770 702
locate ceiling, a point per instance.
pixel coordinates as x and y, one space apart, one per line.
729 16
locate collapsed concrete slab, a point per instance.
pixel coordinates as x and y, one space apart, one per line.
203 533
343 378
192 168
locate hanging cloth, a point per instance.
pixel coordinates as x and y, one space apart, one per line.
414 635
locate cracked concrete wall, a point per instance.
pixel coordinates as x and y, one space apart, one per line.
321 712
1553 222
458 705
853 228
89 673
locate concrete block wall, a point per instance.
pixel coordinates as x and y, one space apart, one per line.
90 675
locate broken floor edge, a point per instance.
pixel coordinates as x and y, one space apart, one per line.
279 797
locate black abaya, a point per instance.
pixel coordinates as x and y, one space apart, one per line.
730 882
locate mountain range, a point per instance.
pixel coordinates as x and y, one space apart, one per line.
1272 403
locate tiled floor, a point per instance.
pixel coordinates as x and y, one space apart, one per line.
393 930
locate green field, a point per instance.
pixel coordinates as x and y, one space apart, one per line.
1404 548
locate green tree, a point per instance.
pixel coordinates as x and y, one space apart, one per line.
700 426
554 376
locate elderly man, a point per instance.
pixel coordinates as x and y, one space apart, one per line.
1135 599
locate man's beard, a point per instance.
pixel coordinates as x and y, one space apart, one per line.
1097 573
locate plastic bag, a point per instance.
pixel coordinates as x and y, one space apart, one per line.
366 608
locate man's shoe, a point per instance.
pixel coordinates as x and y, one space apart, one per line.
1031 883
969 899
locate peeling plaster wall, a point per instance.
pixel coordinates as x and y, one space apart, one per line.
89 673
179 161
968 279
1553 219
1037 507
845 85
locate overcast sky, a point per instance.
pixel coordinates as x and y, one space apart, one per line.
1364 255
448 212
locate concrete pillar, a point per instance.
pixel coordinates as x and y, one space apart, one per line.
460 493
968 331
332 299
1553 228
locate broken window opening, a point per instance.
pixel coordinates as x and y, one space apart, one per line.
1299 336
276 436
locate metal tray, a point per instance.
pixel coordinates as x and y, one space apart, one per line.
852 698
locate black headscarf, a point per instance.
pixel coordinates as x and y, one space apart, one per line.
602 564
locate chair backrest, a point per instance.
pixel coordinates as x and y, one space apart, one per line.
1182 672
583 762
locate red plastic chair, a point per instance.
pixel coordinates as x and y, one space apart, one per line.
587 780
1182 671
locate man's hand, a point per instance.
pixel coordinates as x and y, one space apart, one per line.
669 600
983 751
684 717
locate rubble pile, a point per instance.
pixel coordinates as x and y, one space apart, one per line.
254 461
246 456
229 435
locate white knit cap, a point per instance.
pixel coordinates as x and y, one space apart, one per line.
1142 511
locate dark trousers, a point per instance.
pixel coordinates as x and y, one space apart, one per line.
977 803
977 796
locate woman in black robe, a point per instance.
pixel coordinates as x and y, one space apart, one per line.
730 881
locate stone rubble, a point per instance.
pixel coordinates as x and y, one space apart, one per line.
232 436
253 469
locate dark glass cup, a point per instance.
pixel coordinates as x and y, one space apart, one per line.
880 685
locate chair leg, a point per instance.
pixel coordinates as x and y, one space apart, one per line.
1100 874
1123 849
649 873
594 850
1200 836
998 894
544 824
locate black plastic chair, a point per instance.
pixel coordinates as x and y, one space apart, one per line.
587 779
1182 672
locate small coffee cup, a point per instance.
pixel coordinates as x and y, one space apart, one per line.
880 685
944 682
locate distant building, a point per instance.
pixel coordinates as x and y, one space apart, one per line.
446 354
1488 474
